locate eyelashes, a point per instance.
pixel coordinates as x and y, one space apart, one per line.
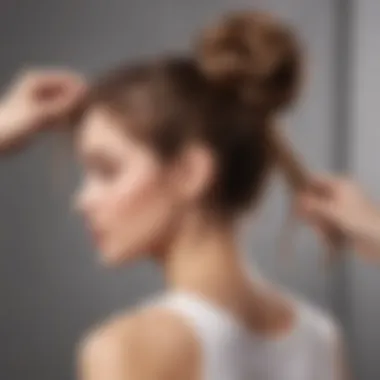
106 171
100 168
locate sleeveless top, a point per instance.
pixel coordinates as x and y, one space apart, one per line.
231 352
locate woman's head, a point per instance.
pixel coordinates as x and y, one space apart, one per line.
177 137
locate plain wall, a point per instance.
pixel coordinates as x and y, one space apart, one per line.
364 162
52 287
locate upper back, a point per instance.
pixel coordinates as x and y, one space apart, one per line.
182 336
230 351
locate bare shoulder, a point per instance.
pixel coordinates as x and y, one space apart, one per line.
154 343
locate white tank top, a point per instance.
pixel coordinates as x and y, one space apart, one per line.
231 352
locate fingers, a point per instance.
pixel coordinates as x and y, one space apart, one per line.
334 186
327 185
46 96
326 208
314 207
326 202
41 84
56 92
49 76
60 97
54 84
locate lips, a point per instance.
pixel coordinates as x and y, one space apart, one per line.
97 235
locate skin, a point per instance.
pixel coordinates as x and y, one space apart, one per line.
37 100
133 347
345 206
137 206
133 203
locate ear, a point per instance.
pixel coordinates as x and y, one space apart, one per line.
194 172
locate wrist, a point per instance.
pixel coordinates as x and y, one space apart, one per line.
3 115
8 118
13 129
5 122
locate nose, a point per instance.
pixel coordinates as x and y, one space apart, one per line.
79 202
87 199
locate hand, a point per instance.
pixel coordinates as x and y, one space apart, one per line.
37 99
342 204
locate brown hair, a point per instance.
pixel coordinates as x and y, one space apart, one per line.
245 70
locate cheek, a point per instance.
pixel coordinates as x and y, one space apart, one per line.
138 212
131 197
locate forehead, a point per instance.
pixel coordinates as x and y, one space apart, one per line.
101 129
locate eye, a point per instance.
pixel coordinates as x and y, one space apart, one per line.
101 168
105 169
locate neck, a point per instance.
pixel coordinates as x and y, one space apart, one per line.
203 258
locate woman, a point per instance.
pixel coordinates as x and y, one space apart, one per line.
174 151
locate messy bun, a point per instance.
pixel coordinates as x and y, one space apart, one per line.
225 95
253 54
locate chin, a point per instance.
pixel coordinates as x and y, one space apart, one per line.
109 262
117 258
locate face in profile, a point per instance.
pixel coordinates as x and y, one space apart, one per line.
127 197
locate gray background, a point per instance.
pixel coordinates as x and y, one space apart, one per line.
364 161
51 286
